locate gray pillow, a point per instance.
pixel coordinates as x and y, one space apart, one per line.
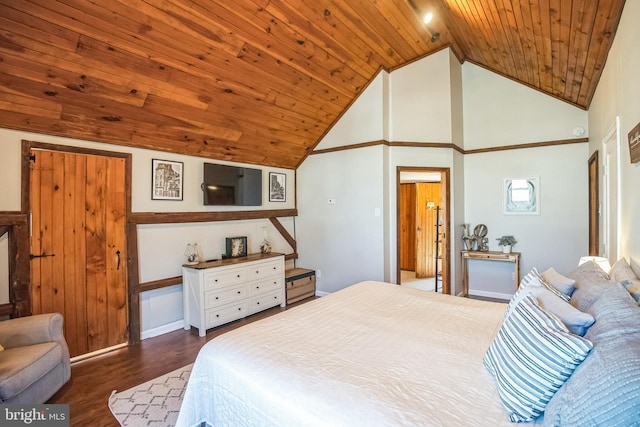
558 281
604 390
616 313
575 320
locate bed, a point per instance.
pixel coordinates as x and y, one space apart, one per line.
377 354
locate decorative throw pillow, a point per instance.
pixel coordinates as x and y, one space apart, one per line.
558 281
575 320
633 287
621 270
529 285
549 286
532 355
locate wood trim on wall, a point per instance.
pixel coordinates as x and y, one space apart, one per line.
185 217
449 146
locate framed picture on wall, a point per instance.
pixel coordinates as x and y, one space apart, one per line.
277 187
166 180
236 246
521 196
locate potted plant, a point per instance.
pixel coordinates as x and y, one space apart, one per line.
507 242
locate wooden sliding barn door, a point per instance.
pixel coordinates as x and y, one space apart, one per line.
78 249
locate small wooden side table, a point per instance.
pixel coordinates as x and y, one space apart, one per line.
513 257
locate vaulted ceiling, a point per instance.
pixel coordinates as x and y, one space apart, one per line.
261 81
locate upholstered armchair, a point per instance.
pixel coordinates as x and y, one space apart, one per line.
35 361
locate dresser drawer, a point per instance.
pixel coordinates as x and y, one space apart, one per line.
217 297
265 301
266 285
218 279
265 269
225 314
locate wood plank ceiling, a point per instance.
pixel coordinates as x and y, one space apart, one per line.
261 81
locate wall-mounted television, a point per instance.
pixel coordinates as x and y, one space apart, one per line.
231 185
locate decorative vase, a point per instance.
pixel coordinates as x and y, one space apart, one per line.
192 254
265 246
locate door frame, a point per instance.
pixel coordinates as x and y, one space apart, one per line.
611 193
594 204
133 319
445 179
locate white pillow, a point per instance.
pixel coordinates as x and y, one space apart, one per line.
558 281
531 357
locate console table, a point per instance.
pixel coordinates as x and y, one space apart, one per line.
513 257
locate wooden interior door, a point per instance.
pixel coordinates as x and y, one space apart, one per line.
78 249
428 196
408 227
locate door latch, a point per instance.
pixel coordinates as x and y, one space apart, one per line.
43 255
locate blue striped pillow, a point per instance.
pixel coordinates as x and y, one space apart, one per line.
530 358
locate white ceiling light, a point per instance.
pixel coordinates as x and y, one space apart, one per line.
428 17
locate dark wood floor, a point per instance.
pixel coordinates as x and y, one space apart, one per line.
93 380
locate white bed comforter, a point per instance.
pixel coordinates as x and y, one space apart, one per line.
373 354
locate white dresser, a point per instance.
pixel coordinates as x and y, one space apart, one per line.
219 292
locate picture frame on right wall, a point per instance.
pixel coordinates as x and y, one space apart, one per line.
277 187
521 196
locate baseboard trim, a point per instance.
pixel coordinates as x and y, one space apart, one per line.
164 329
487 294
322 293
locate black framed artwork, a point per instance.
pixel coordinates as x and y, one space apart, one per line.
236 246
277 187
166 180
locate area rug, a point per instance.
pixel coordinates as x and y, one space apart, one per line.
155 403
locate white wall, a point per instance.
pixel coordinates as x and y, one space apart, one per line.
497 112
347 242
617 95
161 247
420 100
438 100
343 242
555 238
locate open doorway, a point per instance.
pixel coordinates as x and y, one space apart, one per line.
423 228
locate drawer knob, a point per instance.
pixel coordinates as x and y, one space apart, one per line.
216 280
258 303
239 308
239 292
238 276
217 315
257 287
257 271
217 298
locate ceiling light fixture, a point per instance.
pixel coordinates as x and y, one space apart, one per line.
428 17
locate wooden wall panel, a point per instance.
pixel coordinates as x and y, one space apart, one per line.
407 220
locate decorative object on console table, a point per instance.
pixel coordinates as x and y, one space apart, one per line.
277 187
507 242
480 237
219 292
301 284
166 180
236 247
